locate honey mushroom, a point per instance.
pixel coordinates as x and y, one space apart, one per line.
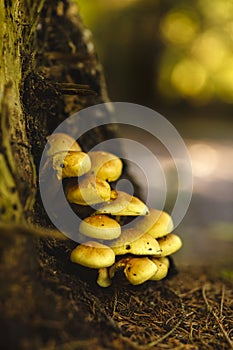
88 191
65 156
137 270
157 223
134 266
169 244
71 164
96 256
60 142
124 205
133 241
145 247
100 227
162 268
105 165
93 254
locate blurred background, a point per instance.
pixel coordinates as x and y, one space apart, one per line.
177 58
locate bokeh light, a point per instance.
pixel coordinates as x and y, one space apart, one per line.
207 44
194 61
204 159
188 77
179 27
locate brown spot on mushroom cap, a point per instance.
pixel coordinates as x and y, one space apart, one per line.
162 266
100 227
93 254
71 164
105 165
90 190
139 270
60 142
158 223
124 205
169 244
133 241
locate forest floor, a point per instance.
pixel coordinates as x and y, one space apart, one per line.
49 303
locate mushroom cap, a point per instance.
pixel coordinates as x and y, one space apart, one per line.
100 227
139 270
162 265
133 241
158 223
71 164
60 142
124 205
169 244
105 165
93 254
90 190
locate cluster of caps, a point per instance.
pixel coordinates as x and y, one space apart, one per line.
139 249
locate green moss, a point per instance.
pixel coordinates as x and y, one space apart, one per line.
18 20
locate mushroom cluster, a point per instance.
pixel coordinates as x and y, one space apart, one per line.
141 248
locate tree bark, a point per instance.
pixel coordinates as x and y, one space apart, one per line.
45 53
17 170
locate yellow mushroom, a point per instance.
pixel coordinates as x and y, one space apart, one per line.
105 165
133 241
60 142
100 227
124 205
93 255
158 223
89 190
71 164
139 270
169 244
162 268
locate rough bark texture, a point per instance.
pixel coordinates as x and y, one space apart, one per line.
46 302
17 170
45 54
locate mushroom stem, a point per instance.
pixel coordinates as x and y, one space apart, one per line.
119 265
103 279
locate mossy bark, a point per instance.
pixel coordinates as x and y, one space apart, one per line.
45 52
17 171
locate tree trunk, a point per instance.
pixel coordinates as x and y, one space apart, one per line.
17 171
45 54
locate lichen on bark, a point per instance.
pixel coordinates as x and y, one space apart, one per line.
17 172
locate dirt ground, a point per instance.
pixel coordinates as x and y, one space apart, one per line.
49 303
